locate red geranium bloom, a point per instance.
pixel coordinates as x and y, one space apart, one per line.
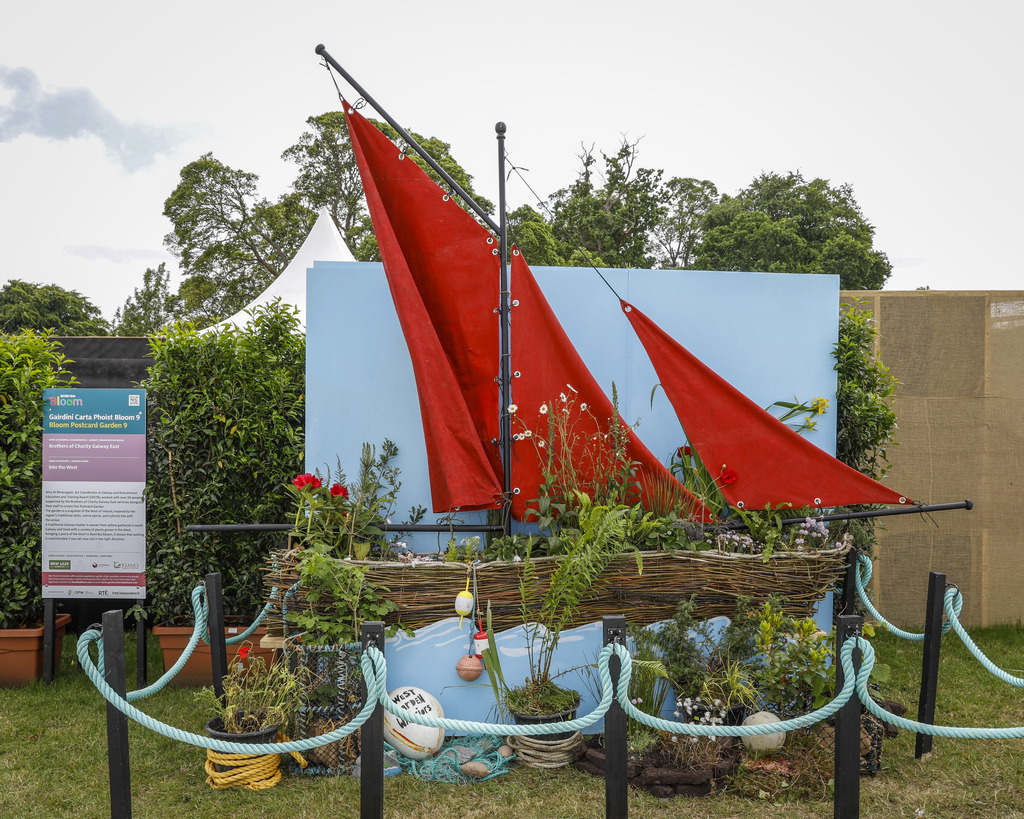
302 481
339 491
729 476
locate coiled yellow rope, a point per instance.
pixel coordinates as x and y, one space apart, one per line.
252 771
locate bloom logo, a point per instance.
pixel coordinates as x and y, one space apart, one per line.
63 401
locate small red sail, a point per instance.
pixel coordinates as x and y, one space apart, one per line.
551 375
442 269
757 459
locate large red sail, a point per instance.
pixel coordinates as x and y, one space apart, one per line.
552 378
442 269
766 462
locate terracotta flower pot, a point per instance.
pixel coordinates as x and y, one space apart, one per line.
198 670
21 652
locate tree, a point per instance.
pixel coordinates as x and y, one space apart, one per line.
612 222
786 224
149 308
532 235
675 237
230 243
25 306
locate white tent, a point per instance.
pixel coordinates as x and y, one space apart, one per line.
323 244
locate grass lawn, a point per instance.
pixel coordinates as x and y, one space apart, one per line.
53 760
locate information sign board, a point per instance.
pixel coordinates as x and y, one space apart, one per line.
94 475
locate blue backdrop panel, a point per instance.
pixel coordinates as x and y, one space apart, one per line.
770 335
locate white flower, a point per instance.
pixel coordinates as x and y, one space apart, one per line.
512 409
543 409
528 433
571 387
562 396
583 407
517 559
540 443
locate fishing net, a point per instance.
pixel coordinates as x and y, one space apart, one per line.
447 765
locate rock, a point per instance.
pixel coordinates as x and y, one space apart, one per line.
764 742
476 770
463 753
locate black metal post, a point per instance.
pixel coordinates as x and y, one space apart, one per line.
371 745
141 649
117 723
49 643
930 660
849 600
504 324
483 214
616 783
215 623
846 803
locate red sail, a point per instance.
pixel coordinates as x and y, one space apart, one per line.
551 374
764 461
442 269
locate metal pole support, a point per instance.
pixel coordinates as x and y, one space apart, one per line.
215 624
616 783
141 648
49 642
117 723
930 660
371 745
846 804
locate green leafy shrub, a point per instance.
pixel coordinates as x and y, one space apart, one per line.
226 431
29 363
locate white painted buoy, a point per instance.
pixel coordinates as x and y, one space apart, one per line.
763 742
410 738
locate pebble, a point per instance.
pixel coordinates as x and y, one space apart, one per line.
475 770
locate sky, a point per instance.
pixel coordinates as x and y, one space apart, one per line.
914 104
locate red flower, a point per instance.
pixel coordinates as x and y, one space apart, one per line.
728 476
683 452
243 652
339 491
307 480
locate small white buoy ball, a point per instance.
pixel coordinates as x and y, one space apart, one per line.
763 742
410 738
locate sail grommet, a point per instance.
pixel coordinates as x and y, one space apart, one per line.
515 302
627 309
401 156
515 491
490 240
445 198
903 500
515 251
739 504
494 251
351 110
817 501
516 374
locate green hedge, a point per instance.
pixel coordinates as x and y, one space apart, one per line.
226 415
29 363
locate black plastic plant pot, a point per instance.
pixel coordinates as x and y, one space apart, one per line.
544 719
215 728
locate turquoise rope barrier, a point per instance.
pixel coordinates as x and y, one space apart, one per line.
376 691
862 576
850 682
950 731
953 602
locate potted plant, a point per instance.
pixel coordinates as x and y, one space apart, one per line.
546 612
29 363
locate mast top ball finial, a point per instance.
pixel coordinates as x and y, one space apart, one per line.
499 128
319 48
